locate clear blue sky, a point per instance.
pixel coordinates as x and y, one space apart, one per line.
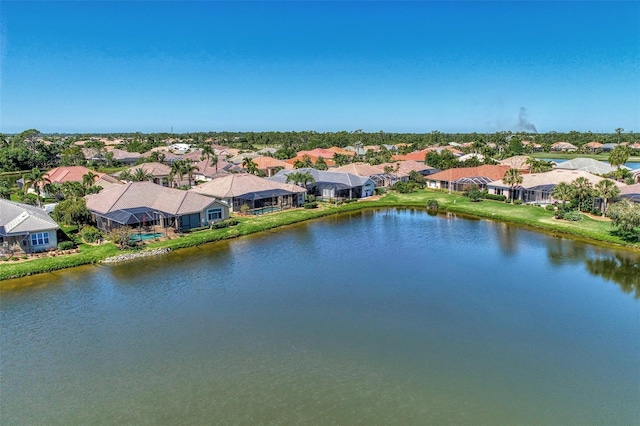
88 66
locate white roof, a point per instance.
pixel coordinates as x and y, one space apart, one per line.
18 218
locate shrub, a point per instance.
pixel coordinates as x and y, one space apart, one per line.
572 216
474 194
517 202
350 200
550 208
90 234
560 214
433 205
66 245
380 191
311 198
494 197
310 205
404 187
244 209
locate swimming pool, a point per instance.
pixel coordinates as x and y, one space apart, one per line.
145 236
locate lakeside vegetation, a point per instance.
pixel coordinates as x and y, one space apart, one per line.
593 230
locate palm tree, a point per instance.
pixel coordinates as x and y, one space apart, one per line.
321 164
538 166
126 176
189 169
36 179
619 131
250 165
513 178
606 190
294 177
176 170
207 153
582 189
88 180
619 155
562 192
139 175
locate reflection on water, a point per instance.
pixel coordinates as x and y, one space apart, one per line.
622 270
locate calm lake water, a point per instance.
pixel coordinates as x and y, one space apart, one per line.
385 317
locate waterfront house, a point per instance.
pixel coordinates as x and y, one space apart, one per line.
270 166
631 192
26 229
331 185
147 205
457 179
608 147
518 162
592 147
589 165
563 147
158 173
537 187
259 194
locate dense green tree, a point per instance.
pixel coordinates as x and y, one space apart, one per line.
625 217
563 192
582 189
72 211
320 164
619 155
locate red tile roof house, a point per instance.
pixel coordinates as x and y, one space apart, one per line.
76 174
259 194
145 204
270 166
458 179
26 229
536 188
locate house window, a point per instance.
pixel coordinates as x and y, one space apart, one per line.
39 239
214 214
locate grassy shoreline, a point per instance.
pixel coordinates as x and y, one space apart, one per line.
537 218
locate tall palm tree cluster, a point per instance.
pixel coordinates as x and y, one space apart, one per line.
581 189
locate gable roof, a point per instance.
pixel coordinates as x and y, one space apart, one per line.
493 172
631 192
154 169
553 177
241 184
264 162
340 179
149 195
516 162
588 165
70 174
20 219
359 169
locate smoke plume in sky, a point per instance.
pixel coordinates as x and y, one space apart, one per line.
523 122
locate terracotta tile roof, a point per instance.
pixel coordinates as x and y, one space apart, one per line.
516 162
264 162
322 152
314 160
70 174
147 194
359 169
493 172
238 184
154 169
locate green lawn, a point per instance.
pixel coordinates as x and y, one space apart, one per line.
532 216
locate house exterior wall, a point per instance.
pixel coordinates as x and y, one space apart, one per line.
34 242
